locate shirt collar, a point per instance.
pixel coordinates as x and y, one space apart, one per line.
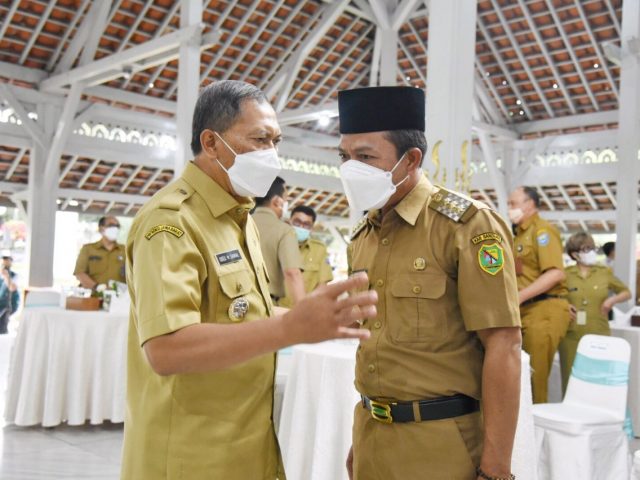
217 199
411 205
528 222
267 211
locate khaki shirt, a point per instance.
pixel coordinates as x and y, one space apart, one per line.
316 268
538 249
193 254
438 281
101 264
279 248
589 292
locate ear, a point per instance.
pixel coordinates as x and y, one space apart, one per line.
208 143
414 158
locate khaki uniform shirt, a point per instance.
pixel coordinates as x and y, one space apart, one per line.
316 268
101 264
193 256
588 293
279 248
439 279
538 249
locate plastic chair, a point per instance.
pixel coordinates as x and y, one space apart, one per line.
583 436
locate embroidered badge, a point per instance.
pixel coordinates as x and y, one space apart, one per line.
486 236
543 238
164 228
238 309
419 263
491 258
519 248
232 256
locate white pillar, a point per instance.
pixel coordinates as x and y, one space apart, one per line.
628 146
188 82
450 78
388 56
41 204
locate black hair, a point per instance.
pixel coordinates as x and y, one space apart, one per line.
102 221
405 140
218 107
533 194
305 210
608 247
275 190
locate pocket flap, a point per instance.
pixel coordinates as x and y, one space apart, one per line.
235 284
419 285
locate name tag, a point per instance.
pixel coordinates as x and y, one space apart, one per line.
95 257
582 317
232 256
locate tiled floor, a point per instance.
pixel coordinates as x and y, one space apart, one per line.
71 453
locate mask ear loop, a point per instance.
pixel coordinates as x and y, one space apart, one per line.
396 166
230 149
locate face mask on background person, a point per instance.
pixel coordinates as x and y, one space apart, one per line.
515 215
285 209
588 258
368 187
111 233
252 173
302 234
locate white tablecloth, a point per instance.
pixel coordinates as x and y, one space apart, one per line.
67 366
317 414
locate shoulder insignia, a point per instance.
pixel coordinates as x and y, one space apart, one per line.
491 258
173 200
164 228
486 236
358 228
451 205
542 236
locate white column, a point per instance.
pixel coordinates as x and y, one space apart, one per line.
41 204
629 144
450 79
388 56
188 82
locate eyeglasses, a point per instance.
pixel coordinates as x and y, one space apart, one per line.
301 224
112 225
587 249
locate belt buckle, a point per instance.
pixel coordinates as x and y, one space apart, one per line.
381 411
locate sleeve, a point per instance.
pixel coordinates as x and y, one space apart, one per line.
549 245
288 251
487 287
166 273
615 284
82 261
15 301
326 272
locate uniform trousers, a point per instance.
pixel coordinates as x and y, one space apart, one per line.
544 325
448 449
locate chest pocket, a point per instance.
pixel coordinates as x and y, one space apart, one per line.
236 283
415 313
97 264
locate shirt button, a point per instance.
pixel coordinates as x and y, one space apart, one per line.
385 241
183 191
379 282
417 289
238 211
371 368
377 325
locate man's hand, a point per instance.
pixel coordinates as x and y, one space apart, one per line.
606 306
350 463
573 312
321 315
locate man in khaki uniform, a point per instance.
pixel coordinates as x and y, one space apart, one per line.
103 260
201 362
446 341
279 245
544 309
316 268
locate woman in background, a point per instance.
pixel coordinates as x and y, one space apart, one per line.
589 287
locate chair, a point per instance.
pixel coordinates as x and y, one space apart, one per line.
583 437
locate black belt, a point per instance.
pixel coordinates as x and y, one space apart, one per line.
435 409
539 298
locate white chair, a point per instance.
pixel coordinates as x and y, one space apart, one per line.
582 437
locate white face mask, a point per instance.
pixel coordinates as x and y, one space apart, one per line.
588 258
252 173
367 187
111 233
515 215
285 209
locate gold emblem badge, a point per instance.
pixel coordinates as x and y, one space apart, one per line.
419 263
238 309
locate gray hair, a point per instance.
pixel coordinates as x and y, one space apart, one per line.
218 107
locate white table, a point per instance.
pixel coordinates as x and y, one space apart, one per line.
317 414
67 366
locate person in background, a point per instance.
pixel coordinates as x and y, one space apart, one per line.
9 295
544 309
103 260
279 244
316 269
609 249
589 287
